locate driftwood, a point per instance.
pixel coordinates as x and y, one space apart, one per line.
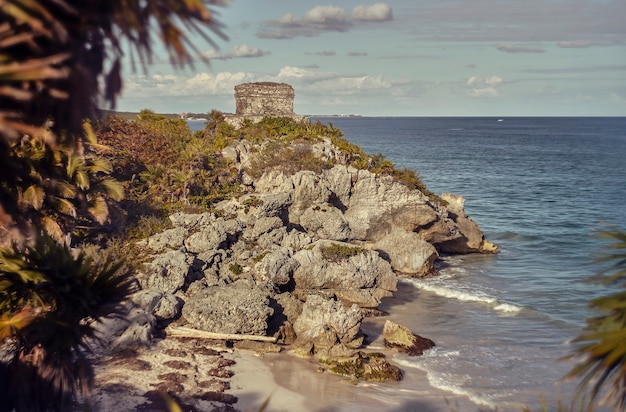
195 333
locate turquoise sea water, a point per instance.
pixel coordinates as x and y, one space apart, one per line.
539 188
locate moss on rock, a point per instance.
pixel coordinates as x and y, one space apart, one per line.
367 366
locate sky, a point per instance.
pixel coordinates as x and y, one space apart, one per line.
404 58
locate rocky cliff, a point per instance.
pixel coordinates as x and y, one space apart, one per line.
302 256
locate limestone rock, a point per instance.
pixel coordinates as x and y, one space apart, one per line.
339 180
264 225
378 202
400 338
286 310
169 239
362 277
367 366
326 222
217 235
134 329
168 271
234 308
276 266
191 220
163 305
308 188
472 239
325 324
408 252
296 240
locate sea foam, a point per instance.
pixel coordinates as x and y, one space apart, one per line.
442 382
467 296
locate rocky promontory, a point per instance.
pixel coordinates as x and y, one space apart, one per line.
302 256
312 236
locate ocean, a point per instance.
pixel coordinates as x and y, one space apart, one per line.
539 188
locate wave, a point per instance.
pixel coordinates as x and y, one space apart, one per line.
444 383
467 296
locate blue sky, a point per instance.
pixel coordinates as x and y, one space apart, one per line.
406 58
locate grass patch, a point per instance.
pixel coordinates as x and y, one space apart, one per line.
337 252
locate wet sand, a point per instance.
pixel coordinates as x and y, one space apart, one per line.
294 383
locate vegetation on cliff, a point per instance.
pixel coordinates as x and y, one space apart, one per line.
164 167
55 56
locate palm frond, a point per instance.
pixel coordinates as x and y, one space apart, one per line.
601 347
99 210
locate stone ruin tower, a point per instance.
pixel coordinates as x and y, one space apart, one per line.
255 101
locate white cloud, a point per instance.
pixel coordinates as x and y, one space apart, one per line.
223 83
314 22
322 19
325 15
616 98
158 85
238 51
376 12
521 21
483 86
509 48
574 44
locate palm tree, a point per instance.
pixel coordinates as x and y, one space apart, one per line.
54 55
51 300
601 347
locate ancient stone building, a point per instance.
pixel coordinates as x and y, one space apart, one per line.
255 101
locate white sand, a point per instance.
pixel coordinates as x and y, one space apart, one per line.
295 384
253 383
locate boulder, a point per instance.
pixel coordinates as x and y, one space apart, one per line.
339 180
325 221
218 234
162 305
378 202
401 339
271 204
169 239
354 274
286 310
408 252
471 239
191 220
263 225
325 327
135 328
371 367
308 188
276 266
234 308
296 239
210 238
168 271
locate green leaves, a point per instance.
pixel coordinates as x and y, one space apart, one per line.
47 294
601 347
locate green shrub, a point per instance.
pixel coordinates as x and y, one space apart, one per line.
236 268
337 252
287 159
260 256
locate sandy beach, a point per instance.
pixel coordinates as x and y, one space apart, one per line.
207 375
294 383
